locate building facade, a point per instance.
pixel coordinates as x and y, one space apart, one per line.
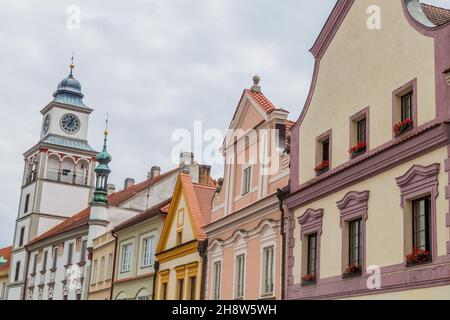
102 267
58 176
245 243
181 250
5 257
369 201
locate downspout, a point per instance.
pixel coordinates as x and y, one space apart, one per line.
114 265
156 267
202 249
281 195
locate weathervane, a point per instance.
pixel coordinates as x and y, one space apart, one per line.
72 65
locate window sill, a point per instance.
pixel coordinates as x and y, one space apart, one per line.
350 275
404 131
358 154
322 172
419 264
308 283
268 296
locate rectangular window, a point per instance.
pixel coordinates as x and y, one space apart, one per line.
102 269
21 237
27 202
126 258
94 272
217 279
164 291
110 265
83 252
180 289
192 287
421 224
281 129
35 263
240 276
179 238
355 244
312 255
44 263
326 150
247 180
148 251
268 270
17 271
70 254
406 106
361 134
55 258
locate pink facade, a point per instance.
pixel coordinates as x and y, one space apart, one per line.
245 243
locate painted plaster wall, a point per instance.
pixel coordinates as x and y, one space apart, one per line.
353 75
55 196
435 293
384 215
104 246
187 227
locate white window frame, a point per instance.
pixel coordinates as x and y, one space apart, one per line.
124 268
245 192
214 282
148 260
101 277
110 266
236 276
263 273
240 249
94 271
268 240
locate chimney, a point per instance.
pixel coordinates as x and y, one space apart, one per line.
129 182
154 172
111 188
204 175
186 159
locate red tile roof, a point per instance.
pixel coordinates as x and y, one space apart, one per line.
262 101
6 254
81 219
437 15
150 213
199 199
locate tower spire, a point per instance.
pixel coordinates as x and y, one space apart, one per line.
102 172
72 65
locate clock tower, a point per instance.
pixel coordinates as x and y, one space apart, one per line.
58 176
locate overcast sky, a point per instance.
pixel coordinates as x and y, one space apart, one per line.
153 65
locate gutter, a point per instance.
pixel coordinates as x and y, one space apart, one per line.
114 265
156 267
202 250
281 195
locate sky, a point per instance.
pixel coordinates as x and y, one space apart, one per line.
153 65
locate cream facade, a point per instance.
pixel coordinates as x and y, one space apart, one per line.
102 267
369 167
245 242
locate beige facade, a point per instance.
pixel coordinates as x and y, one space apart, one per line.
361 218
102 267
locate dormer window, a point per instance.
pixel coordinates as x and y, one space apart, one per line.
404 108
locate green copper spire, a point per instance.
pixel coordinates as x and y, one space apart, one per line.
102 172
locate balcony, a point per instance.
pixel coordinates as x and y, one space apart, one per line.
67 177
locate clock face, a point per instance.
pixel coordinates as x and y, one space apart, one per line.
70 123
46 124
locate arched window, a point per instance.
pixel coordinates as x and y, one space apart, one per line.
143 294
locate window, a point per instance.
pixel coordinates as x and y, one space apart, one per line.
44 263
180 289
22 234
406 111
268 270
326 150
217 279
359 130
311 267
27 202
126 257
246 180
55 258
94 271
323 153
83 252
240 274
192 287
102 269
361 133
180 218
281 128
164 291
17 271
179 237
421 224
35 263
148 251
70 254
110 264
355 243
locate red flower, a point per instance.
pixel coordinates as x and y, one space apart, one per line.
353 268
324 165
358 147
401 126
310 277
418 255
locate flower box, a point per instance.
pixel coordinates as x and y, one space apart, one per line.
358 149
322 168
309 280
352 271
403 126
418 256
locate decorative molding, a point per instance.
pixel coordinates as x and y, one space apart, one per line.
354 205
310 222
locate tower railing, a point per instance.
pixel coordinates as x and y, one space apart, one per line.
65 176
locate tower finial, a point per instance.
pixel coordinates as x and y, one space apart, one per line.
72 65
106 132
256 87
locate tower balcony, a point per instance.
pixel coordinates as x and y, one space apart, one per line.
68 177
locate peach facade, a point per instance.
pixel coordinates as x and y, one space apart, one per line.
245 244
395 181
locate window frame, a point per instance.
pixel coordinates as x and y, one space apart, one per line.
427 223
309 260
239 289
247 175
352 259
271 275
320 158
124 245
27 203
217 281
21 236
397 95
148 256
363 115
